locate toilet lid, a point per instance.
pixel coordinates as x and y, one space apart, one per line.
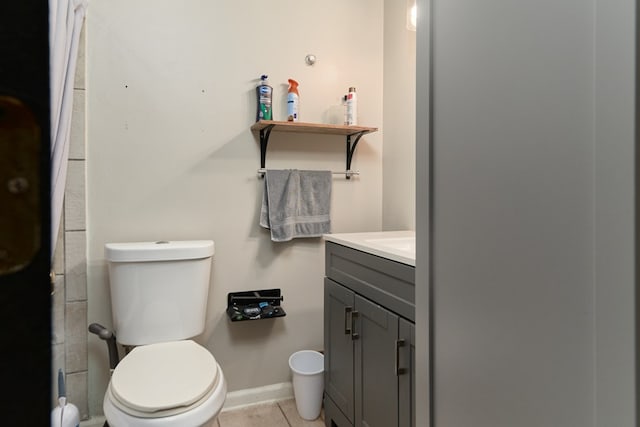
162 376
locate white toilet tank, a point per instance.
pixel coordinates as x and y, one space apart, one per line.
159 290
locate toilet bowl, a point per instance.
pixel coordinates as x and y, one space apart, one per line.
171 384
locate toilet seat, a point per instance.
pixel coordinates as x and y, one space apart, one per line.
164 379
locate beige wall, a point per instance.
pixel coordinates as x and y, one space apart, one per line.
171 97
399 112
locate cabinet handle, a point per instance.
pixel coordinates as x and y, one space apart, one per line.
398 370
348 320
354 335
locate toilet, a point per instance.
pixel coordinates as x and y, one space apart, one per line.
158 298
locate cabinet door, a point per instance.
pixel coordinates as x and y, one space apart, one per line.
376 387
338 346
406 375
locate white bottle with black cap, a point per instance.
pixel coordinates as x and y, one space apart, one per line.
352 107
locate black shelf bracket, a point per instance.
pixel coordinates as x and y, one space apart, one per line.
264 141
351 148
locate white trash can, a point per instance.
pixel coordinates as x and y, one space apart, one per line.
307 368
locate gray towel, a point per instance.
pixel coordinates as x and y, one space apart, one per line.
296 204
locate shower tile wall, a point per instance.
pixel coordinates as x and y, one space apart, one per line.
69 300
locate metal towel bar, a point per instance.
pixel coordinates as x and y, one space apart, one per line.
348 173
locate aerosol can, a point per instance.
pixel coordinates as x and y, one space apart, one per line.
65 414
293 100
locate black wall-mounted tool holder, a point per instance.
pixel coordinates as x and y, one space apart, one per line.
254 305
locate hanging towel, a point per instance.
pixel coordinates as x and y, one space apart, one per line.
296 204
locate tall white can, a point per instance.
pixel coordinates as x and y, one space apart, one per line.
352 107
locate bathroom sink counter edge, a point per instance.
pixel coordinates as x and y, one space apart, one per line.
397 246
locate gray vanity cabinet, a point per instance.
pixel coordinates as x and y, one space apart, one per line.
369 348
338 347
376 377
406 383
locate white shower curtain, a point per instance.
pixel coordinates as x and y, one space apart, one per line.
65 23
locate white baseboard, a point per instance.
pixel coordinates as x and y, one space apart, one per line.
235 400
96 421
253 396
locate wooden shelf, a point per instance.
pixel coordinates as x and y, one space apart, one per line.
352 134
301 127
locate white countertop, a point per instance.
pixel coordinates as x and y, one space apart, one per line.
398 246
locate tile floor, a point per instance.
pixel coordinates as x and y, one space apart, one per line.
277 414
